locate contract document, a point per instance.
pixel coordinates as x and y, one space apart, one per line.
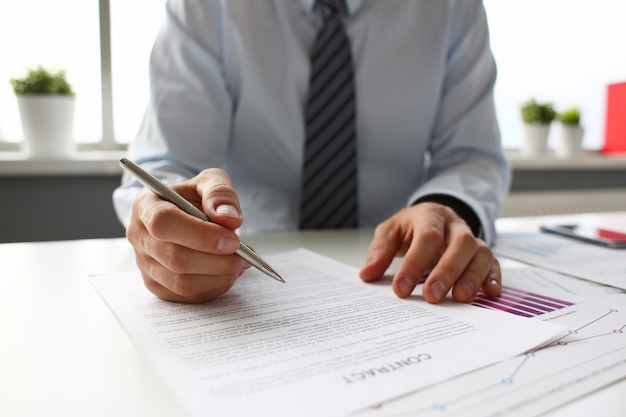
324 343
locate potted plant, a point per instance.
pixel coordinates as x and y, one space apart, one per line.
46 104
570 133
537 118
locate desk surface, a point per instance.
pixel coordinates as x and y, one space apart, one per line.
62 352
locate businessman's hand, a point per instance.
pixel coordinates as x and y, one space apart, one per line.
434 240
183 258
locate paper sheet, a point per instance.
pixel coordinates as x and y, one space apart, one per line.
568 256
324 343
588 355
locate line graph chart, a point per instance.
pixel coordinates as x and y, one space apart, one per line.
590 352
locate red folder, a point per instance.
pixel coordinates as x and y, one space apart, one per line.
615 129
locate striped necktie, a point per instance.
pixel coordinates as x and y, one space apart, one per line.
329 183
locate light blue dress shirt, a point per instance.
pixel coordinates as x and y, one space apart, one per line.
229 81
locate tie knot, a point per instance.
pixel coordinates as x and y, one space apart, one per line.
332 7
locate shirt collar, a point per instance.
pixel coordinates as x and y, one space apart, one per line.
353 5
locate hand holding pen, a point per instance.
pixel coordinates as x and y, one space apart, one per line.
180 259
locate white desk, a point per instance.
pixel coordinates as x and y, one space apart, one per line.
62 352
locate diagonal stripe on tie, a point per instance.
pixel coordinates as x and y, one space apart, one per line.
329 181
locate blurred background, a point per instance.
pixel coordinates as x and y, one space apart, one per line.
562 51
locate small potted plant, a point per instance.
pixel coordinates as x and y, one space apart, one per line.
537 118
570 133
46 103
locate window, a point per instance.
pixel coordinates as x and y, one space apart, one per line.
59 34
67 36
134 25
564 51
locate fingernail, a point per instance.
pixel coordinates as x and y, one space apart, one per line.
438 289
227 245
494 282
227 210
406 286
494 286
469 289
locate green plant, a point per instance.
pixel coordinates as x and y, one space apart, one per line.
570 116
41 81
534 112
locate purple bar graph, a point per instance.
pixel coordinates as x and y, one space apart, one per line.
520 302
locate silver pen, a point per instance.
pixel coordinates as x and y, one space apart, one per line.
166 193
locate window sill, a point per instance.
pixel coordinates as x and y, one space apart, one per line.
87 162
106 162
589 160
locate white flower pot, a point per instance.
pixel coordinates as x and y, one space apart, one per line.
569 141
47 123
535 140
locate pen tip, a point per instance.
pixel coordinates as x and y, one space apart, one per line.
274 275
